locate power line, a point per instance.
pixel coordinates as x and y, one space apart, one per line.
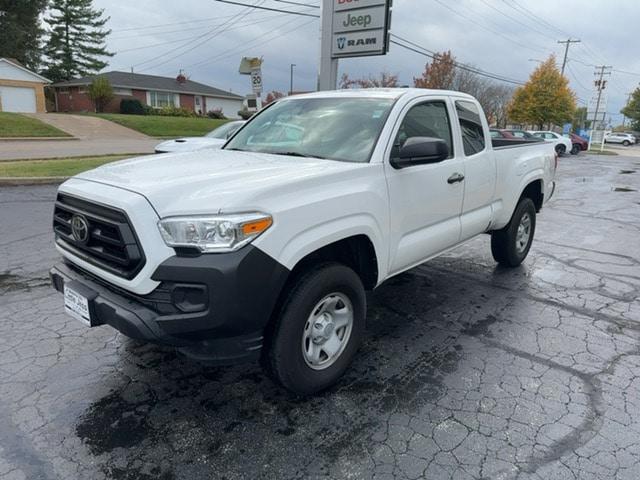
515 19
268 8
428 53
261 40
211 34
495 32
190 22
299 4
238 25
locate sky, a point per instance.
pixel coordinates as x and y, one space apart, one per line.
206 39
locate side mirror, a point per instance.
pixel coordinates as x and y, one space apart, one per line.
419 151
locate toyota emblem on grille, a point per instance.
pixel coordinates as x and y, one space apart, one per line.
80 228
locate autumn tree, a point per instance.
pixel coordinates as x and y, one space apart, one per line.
440 73
545 99
384 79
632 109
272 97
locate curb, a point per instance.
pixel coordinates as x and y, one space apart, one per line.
36 139
21 181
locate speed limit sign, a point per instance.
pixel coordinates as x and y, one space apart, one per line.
256 81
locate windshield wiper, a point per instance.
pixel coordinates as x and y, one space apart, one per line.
296 154
236 149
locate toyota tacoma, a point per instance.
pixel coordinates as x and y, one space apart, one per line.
264 249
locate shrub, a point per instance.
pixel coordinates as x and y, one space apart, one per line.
216 113
245 114
132 106
100 92
175 112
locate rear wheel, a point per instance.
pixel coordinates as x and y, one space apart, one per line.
561 149
318 331
510 246
575 149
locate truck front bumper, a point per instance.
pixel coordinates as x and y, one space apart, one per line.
213 308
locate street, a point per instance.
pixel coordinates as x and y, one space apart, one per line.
468 371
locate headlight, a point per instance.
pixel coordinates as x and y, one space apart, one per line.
215 233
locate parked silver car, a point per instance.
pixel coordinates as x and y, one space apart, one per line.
625 139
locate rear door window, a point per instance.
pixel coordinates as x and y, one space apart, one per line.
470 127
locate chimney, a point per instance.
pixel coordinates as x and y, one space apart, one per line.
181 78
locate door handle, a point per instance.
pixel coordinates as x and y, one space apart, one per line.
456 177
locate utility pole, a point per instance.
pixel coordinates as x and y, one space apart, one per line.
566 51
600 84
291 78
624 117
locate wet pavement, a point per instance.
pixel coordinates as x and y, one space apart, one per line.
468 370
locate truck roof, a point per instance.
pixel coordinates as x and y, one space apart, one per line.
382 93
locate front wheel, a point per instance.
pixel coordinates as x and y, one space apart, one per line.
511 245
561 149
575 149
626 143
318 331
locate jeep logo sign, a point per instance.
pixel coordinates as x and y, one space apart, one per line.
359 27
360 19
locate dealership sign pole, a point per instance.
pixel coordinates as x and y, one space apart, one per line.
351 28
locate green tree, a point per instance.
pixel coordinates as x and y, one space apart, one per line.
20 30
100 92
76 40
580 119
545 99
632 109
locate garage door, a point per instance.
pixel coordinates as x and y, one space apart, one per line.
18 99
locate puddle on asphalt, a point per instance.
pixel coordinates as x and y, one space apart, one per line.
624 189
10 282
626 172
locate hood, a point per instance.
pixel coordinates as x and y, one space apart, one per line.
189 144
211 181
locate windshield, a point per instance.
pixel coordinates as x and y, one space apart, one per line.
224 131
334 128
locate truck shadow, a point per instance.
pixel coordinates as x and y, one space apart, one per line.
418 326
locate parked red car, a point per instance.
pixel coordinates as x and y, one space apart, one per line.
578 143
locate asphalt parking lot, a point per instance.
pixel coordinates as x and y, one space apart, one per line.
468 370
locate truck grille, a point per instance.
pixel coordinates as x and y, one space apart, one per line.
102 236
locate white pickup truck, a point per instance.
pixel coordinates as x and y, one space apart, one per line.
264 249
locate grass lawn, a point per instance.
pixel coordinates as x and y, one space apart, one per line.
161 126
63 167
15 125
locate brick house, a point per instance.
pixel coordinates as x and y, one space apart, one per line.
152 90
21 90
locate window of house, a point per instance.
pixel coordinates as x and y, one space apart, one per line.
161 99
126 92
429 119
470 127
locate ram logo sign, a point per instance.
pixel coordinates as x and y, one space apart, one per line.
358 43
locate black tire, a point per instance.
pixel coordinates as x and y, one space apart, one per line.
504 246
575 149
626 143
561 149
284 356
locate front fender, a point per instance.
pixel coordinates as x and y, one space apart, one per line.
300 244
